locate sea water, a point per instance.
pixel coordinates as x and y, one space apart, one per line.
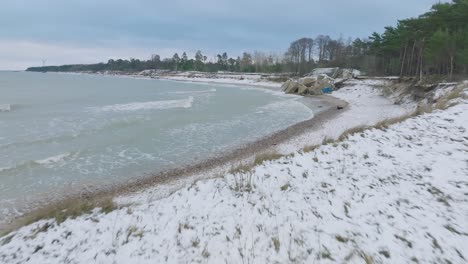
62 132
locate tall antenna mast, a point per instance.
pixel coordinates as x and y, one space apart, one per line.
44 62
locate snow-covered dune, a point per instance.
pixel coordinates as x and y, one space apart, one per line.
381 196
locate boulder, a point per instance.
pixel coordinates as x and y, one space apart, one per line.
302 89
335 73
324 77
332 72
292 87
347 74
308 81
308 85
285 85
315 91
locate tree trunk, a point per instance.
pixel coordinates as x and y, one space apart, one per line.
410 67
418 63
421 60
451 67
403 61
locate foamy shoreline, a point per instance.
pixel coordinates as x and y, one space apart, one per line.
238 79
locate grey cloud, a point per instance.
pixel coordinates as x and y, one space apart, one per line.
209 25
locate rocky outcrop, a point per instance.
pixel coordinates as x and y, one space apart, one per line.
308 81
308 85
318 79
293 87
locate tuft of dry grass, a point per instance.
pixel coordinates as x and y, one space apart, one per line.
6 240
341 239
367 258
447 100
455 93
388 122
327 141
285 187
261 158
243 177
241 168
243 183
68 208
309 148
276 243
351 131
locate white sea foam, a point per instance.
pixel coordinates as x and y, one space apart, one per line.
271 91
5 107
291 106
195 92
52 160
168 104
5 168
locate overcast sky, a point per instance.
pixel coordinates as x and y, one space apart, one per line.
89 31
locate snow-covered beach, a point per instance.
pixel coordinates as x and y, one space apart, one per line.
391 195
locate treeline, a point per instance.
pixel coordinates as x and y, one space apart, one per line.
248 62
433 43
302 56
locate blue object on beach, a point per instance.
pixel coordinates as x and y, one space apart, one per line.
327 90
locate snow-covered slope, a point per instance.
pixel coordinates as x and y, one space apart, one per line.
381 196
367 106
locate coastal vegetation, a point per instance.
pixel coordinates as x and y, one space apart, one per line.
435 43
69 208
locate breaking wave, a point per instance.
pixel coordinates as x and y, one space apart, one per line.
49 163
275 92
53 159
5 107
168 104
195 92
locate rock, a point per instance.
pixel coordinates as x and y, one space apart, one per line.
332 72
347 74
308 81
302 89
315 91
292 87
335 73
308 85
324 77
285 86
